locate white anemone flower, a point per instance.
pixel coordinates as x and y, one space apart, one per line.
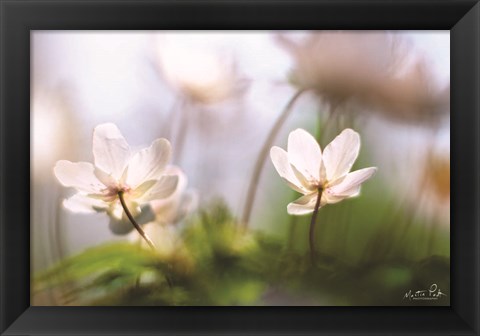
309 171
117 173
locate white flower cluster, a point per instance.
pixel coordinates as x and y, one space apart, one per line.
122 182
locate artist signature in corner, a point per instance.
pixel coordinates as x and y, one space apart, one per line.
433 293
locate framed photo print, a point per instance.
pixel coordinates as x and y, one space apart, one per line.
223 167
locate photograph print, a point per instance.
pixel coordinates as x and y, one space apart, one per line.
240 168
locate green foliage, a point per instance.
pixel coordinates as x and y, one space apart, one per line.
219 264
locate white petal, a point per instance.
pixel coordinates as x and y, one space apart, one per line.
173 210
106 179
164 187
149 163
79 175
306 183
350 186
305 154
304 205
110 149
340 154
166 208
143 188
282 165
84 204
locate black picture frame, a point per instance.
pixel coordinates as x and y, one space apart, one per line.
19 17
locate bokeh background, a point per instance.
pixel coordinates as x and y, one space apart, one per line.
216 96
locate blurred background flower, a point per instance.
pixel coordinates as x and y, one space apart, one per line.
341 65
208 78
376 69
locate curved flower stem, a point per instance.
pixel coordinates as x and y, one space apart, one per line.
134 223
312 226
252 187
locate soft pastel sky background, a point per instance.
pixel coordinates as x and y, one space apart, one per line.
82 79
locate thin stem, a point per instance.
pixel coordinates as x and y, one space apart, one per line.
134 223
312 226
252 187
